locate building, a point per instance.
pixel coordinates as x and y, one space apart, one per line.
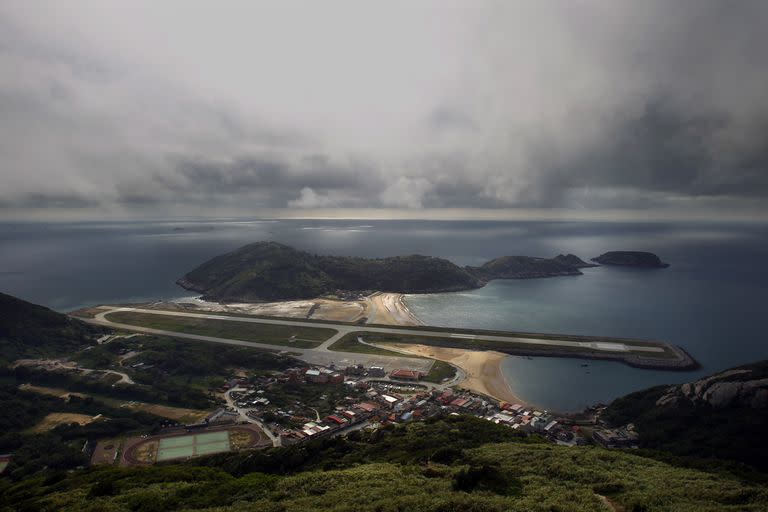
376 371
405 374
222 417
355 370
389 400
622 437
367 407
316 376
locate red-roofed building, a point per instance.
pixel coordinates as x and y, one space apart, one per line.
405 374
459 402
336 419
367 407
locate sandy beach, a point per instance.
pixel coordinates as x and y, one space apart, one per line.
482 369
390 309
378 308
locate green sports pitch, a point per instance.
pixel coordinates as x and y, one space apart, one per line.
191 445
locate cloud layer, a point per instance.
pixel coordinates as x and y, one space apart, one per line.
192 108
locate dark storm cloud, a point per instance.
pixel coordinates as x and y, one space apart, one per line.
558 105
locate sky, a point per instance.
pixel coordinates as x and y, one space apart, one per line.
400 109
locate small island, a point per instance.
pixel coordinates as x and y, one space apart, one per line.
630 259
267 271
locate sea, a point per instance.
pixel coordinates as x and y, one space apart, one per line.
712 300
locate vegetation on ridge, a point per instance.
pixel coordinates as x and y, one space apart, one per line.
28 331
457 463
272 271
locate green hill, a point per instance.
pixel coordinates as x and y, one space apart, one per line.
524 267
478 467
272 271
723 416
28 330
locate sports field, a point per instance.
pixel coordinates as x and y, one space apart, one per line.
196 444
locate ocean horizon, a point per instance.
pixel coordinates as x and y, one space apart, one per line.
710 301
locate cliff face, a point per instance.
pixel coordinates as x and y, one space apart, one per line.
630 259
746 387
724 415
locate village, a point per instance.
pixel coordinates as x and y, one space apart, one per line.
371 399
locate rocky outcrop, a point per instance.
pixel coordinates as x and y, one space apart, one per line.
630 259
742 387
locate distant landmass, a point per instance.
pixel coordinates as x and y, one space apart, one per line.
724 415
573 261
273 271
630 259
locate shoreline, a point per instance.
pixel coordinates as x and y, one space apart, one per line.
389 308
482 369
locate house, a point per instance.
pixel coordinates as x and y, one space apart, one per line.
389 400
405 374
316 376
367 407
623 437
336 419
460 402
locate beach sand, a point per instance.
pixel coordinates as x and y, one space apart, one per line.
482 369
390 309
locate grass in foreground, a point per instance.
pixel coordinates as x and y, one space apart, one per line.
453 464
290 336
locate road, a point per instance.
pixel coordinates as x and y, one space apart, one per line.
276 440
320 355
344 329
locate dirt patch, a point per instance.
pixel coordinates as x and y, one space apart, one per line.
146 452
239 439
179 414
106 452
57 392
55 419
86 312
339 311
390 309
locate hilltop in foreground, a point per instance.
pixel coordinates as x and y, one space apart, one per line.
272 271
451 464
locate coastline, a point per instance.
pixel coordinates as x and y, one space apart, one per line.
482 369
390 309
